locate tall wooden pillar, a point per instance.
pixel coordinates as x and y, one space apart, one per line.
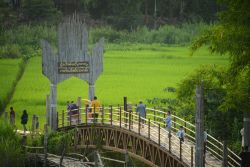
199 123
48 117
91 91
53 115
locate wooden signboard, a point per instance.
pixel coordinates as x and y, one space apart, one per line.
71 60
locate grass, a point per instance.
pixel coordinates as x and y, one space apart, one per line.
139 72
9 69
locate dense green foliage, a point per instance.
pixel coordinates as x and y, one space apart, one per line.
24 41
217 89
121 14
167 34
10 72
158 65
11 152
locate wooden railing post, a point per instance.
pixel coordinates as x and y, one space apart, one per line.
154 115
185 125
111 115
225 154
192 156
103 114
45 145
139 124
79 115
180 150
129 120
125 111
159 134
94 116
86 114
149 128
62 118
169 140
120 113
174 120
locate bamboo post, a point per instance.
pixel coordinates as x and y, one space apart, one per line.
103 114
53 113
174 120
154 115
185 125
149 128
111 115
169 140
225 153
199 123
45 145
94 115
192 156
129 121
48 116
132 117
86 114
125 111
120 113
79 115
159 134
180 150
79 99
62 118
139 124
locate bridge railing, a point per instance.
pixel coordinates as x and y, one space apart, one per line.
154 118
130 120
214 146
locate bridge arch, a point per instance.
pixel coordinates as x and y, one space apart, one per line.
121 140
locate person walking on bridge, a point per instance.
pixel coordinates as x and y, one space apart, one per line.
141 110
95 105
168 121
181 134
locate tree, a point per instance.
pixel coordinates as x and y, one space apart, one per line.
217 92
231 36
40 10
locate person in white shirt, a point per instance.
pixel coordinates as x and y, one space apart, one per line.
168 121
181 134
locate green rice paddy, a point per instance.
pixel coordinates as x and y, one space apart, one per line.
139 72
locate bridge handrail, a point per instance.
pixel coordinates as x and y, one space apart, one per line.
213 144
208 139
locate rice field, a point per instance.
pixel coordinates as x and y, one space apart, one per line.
9 69
139 72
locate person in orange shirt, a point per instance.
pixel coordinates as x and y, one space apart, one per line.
95 105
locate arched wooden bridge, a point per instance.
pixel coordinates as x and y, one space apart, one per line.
123 131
